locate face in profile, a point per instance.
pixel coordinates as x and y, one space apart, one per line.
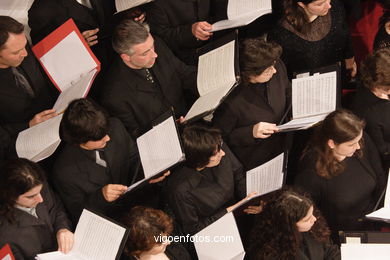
14 51
31 198
317 7
144 55
216 158
265 76
94 145
346 149
305 223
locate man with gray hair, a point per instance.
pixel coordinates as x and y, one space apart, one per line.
146 79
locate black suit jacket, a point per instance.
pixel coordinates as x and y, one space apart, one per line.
247 106
17 108
376 112
29 235
172 20
44 16
131 98
79 179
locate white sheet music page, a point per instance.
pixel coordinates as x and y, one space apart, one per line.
224 229
79 89
238 22
367 251
383 213
239 8
216 69
66 61
40 141
159 148
301 123
314 95
266 177
122 5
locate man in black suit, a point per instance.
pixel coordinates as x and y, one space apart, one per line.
182 24
98 161
25 92
146 79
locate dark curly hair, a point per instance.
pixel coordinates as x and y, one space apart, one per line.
374 70
295 14
17 176
145 225
340 126
256 55
275 235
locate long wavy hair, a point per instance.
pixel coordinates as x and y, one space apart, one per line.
374 70
17 177
341 126
275 235
295 14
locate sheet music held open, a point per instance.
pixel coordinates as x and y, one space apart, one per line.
243 12
216 77
313 98
95 238
122 5
383 213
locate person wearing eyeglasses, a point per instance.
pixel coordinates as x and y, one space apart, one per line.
248 118
210 183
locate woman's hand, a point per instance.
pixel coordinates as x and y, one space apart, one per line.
65 240
264 130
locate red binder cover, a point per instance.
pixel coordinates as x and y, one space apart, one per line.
6 253
54 38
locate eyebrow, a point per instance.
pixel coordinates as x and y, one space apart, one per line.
31 196
149 49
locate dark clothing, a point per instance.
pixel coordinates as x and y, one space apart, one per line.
376 112
348 197
129 96
382 39
79 179
172 20
17 106
313 250
303 55
29 235
248 105
198 198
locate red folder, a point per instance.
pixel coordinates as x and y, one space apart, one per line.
6 253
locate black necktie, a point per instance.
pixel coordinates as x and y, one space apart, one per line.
22 82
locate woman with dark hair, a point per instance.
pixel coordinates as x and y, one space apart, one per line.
32 220
372 100
148 237
382 38
314 34
209 184
290 228
342 173
249 116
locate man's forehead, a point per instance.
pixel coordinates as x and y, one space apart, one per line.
145 46
15 42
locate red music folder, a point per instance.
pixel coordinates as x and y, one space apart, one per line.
6 253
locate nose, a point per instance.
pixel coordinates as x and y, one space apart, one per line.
274 70
154 54
328 5
23 53
357 146
314 219
39 198
222 153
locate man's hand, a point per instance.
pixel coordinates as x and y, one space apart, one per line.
90 36
41 117
264 130
201 30
65 240
141 18
167 173
112 192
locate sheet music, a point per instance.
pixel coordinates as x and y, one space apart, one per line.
40 141
66 61
79 89
238 22
207 102
383 213
314 95
216 69
57 255
159 148
224 227
122 5
368 251
266 177
301 123
239 8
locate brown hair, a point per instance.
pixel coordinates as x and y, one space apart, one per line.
256 55
275 235
341 126
294 14
145 225
8 25
375 70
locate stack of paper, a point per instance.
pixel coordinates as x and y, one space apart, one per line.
313 98
96 238
383 213
243 12
365 251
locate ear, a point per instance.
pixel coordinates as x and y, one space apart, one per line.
301 5
387 27
331 144
125 57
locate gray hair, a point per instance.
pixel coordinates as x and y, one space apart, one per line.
127 34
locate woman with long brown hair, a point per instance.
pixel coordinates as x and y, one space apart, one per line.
289 227
342 171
